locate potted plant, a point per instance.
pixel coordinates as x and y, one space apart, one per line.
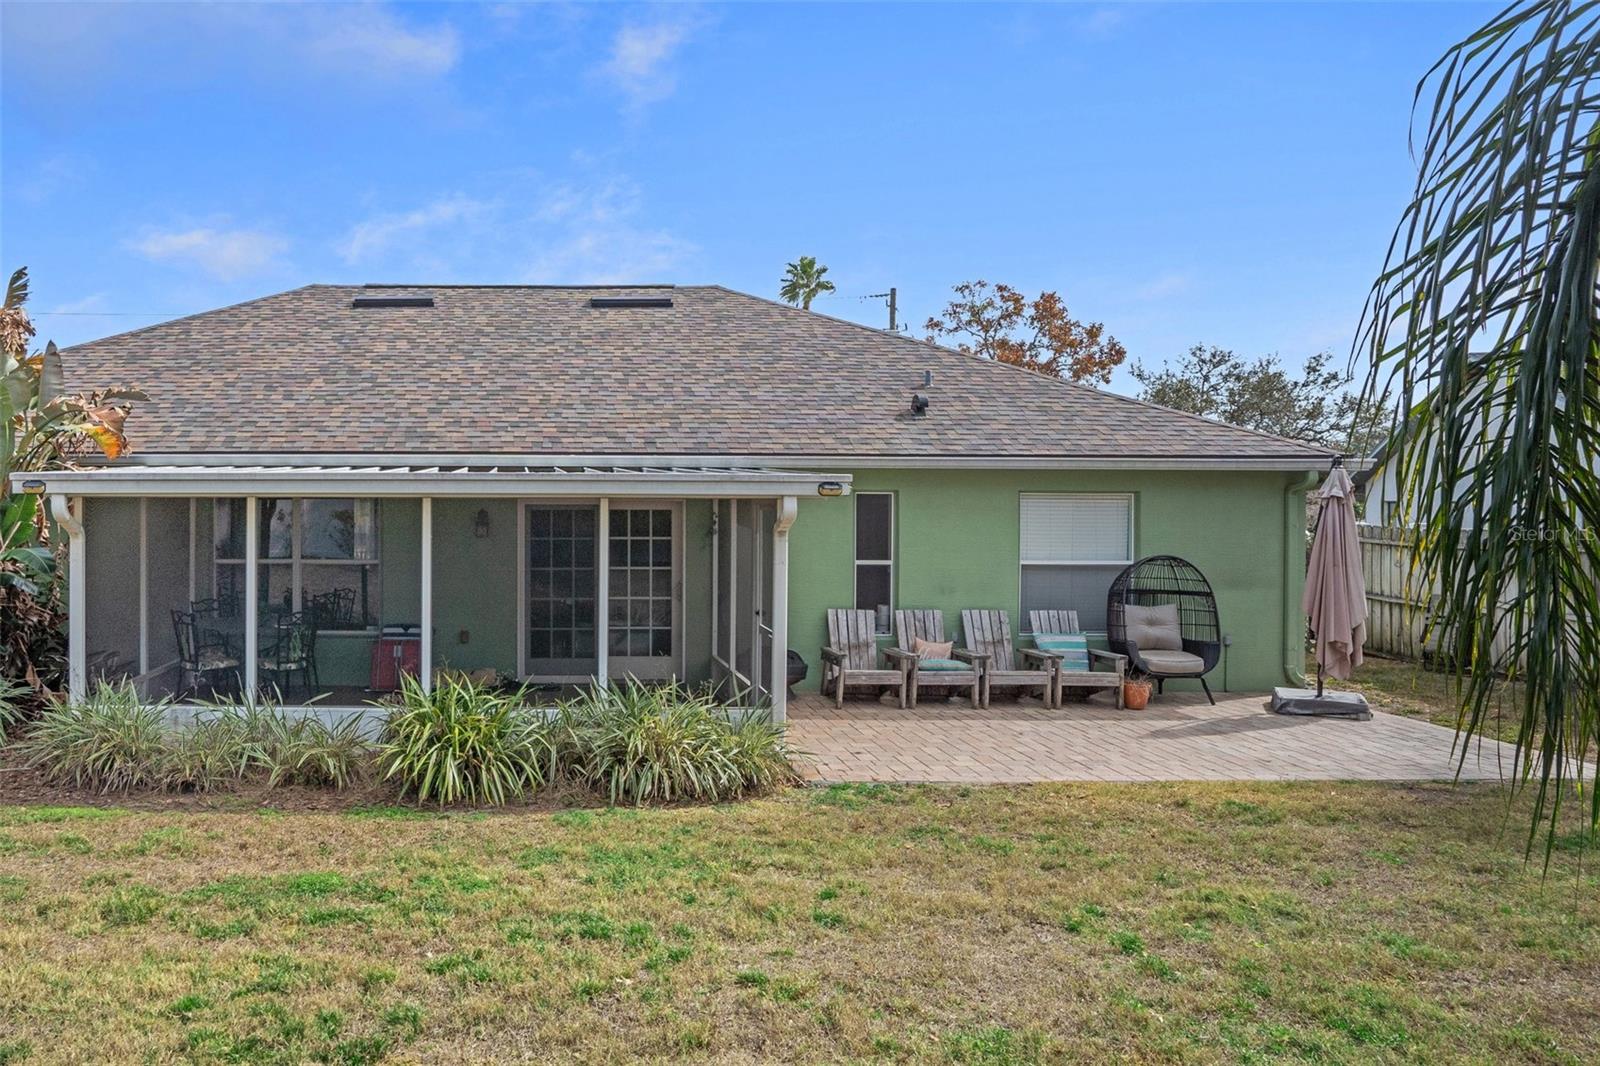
1135 691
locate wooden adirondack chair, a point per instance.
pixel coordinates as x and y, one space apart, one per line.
851 657
929 625
988 633
1067 622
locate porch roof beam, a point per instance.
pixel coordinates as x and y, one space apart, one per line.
672 482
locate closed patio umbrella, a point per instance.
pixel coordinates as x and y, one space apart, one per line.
1335 600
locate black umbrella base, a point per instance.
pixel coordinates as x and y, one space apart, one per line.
1351 705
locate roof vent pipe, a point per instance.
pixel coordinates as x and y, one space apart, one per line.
919 404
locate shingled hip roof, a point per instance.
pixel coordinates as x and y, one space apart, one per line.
539 371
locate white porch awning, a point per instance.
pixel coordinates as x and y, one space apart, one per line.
678 482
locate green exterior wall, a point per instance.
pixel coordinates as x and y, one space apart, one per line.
957 546
475 585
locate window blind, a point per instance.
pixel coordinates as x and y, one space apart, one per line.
1076 528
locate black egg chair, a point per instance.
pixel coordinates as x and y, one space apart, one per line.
1155 581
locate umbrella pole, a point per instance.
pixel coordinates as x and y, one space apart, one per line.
1319 680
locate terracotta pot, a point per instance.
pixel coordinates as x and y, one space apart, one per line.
1135 694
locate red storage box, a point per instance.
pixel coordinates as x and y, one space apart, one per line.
398 650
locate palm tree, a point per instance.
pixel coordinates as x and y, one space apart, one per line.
1487 318
803 282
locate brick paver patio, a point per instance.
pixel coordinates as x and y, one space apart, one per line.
1177 738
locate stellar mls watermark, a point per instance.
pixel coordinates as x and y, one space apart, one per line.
1520 534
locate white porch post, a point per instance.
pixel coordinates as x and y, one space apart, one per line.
69 516
425 653
252 576
602 598
779 683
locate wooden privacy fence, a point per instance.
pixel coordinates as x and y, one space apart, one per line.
1397 609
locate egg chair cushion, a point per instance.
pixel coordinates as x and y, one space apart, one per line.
1154 627
1163 661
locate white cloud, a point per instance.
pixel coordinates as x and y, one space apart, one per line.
378 235
640 65
1169 284
531 230
48 176
228 254
75 51
1104 19
367 38
95 301
611 256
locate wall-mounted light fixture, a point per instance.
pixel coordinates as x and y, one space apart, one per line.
480 524
830 488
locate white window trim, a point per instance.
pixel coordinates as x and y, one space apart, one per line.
858 563
296 564
1024 623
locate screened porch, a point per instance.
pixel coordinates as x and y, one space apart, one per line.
324 586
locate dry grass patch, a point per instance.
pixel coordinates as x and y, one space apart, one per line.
1179 923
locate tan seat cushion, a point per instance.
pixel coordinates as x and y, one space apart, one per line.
1172 662
932 649
1154 627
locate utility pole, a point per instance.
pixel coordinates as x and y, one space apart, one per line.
892 296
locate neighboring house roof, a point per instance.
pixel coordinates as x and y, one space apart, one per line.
537 370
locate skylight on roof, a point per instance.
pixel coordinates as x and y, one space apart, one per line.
630 301
391 300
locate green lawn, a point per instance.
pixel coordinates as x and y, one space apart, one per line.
1410 689
1174 923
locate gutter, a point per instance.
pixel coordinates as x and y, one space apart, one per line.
1290 462
1294 532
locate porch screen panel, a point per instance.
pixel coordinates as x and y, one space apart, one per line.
1073 545
111 574
167 568
768 519
724 563
743 622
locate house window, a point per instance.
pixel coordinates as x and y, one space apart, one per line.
319 556
1073 546
875 556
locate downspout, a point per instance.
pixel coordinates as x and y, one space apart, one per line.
1294 573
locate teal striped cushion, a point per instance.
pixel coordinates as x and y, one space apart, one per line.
942 664
1072 647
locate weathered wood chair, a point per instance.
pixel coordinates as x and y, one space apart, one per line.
1045 623
961 671
988 633
852 657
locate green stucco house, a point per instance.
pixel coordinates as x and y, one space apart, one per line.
560 483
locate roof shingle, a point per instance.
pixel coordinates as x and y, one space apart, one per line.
519 370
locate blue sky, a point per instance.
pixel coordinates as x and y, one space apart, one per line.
1192 173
